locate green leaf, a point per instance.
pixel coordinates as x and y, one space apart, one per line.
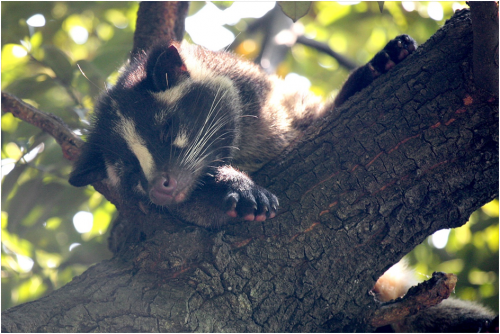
295 9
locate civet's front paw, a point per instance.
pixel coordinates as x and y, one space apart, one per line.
244 199
394 52
254 203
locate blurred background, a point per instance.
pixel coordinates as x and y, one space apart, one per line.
58 56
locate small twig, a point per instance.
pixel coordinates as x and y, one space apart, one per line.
70 143
342 60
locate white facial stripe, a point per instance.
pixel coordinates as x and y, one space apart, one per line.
199 72
137 145
173 94
113 178
181 141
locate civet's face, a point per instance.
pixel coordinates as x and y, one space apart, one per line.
159 130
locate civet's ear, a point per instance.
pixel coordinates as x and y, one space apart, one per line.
89 168
165 68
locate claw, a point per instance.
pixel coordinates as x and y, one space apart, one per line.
249 217
232 213
260 218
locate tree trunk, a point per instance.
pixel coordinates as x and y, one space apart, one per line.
415 152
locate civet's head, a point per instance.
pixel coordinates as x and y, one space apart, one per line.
161 129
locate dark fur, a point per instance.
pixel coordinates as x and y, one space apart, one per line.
173 87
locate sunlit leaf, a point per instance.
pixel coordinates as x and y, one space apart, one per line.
295 9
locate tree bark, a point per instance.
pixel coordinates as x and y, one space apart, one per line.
484 15
159 21
415 152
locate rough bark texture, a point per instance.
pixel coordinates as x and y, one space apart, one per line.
159 21
415 152
484 15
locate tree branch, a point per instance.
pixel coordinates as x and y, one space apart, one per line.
414 152
342 60
159 21
484 15
418 298
70 143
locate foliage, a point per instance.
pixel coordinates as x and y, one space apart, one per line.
471 252
63 65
